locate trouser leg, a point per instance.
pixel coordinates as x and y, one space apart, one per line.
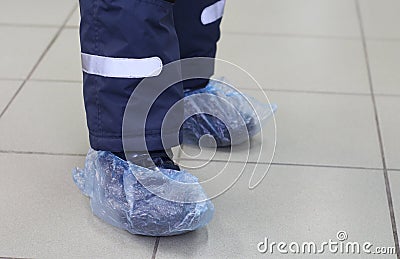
197 24
122 42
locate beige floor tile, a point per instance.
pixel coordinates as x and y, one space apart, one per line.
7 90
298 17
63 61
381 18
18 57
311 129
331 65
75 19
46 117
384 58
394 178
293 204
388 109
44 215
39 12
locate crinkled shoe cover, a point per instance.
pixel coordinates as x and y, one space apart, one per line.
120 200
245 115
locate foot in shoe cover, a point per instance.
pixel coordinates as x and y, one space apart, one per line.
224 114
118 198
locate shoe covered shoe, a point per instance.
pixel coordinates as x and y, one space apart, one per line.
118 198
215 104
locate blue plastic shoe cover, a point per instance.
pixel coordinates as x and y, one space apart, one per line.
229 105
117 197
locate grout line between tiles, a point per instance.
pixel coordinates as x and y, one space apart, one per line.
51 43
179 158
379 132
243 88
311 36
323 92
290 164
388 95
11 79
39 153
328 166
72 27
55 80
291 35
155 248
383 39
308 91
266 34
26 25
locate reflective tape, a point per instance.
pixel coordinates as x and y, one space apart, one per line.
121 67
213 12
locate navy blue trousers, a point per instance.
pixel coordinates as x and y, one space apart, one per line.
141 33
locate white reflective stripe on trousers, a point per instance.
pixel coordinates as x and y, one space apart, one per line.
121 67
213 12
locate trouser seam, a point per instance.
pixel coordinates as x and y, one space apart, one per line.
97 50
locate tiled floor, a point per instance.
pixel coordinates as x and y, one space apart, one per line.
333 68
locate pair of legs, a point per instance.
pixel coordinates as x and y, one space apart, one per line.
124 41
